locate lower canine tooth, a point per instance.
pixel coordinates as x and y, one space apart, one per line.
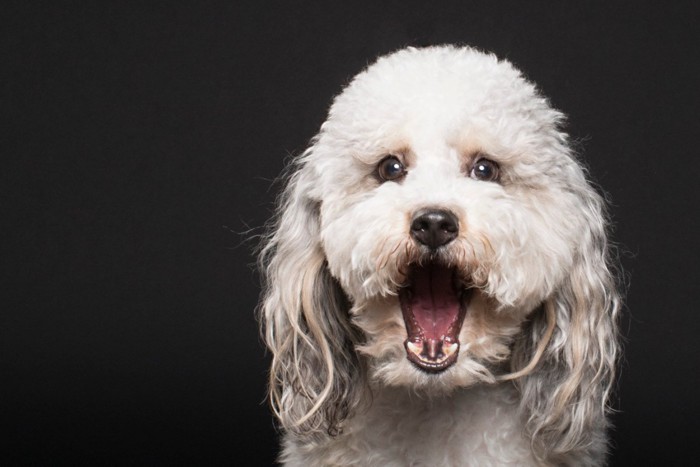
450 349
414 348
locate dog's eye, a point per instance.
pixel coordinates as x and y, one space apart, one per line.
485 170
390 168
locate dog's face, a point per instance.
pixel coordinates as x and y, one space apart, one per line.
446 211
444 201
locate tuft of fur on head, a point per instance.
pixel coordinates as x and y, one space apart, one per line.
532 245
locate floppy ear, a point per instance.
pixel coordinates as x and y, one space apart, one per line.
564 400
304 316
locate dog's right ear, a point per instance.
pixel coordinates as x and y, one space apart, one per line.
304 315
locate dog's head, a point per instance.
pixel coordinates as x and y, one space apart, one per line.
437 234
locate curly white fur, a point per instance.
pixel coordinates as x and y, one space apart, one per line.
533 243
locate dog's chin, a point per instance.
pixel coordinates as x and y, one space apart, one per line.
434 301
402 372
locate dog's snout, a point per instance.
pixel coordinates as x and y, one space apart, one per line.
434 227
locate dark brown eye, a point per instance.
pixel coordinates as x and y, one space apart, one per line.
390 168
485 170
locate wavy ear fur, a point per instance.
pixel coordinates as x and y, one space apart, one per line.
565 400
304 317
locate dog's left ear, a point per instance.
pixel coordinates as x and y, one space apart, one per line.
304 316
565 399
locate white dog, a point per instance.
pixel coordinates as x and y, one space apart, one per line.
438 287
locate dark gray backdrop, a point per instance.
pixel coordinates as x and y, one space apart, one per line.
139 142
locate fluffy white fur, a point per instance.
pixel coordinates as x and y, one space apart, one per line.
538 343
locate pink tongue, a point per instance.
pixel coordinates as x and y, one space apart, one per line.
435 305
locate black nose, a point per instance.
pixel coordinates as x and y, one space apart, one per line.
434 227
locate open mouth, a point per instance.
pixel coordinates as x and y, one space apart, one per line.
434 302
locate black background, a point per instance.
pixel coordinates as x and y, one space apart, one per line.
139 145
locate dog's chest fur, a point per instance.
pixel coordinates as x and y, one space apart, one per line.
471 427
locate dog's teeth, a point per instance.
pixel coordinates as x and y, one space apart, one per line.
414 348
449 349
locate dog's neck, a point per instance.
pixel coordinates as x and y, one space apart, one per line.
402 427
